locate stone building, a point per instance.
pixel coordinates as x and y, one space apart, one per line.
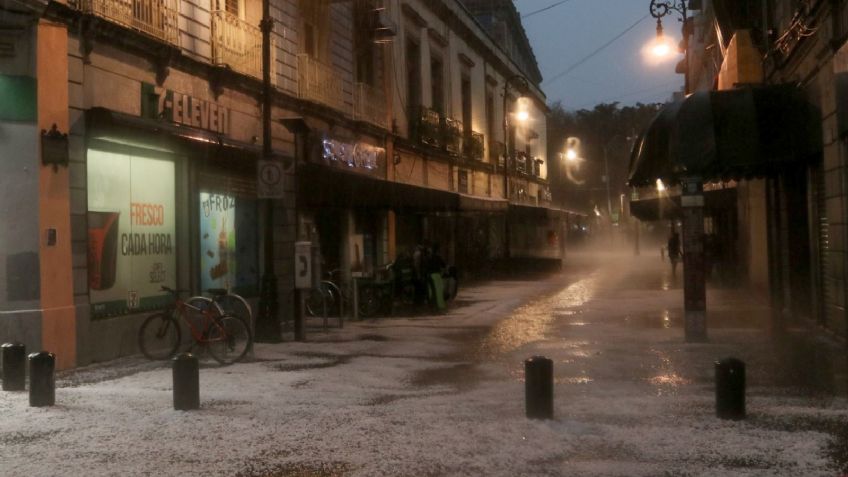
131 134
772 70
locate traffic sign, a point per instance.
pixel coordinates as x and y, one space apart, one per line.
269 179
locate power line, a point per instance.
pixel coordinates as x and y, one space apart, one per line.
527 15
594 53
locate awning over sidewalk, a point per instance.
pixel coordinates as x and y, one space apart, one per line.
665 207
321 186
734 134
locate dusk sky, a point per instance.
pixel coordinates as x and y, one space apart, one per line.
565 34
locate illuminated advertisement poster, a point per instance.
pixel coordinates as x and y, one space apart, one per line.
228 243
131 228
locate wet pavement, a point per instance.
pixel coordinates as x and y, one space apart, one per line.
443 394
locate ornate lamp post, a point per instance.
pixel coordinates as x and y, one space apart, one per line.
662 8
521 87
692 202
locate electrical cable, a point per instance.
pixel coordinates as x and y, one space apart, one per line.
594 53
527 15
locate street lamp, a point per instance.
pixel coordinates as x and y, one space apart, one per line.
660 9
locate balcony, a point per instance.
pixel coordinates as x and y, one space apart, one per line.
521 163
157 18
320 83
452 132
472 146
430 127
369 104
236 43
496 153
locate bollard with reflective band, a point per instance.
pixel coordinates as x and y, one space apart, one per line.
42 381
186 382
539 387
14 367
730 389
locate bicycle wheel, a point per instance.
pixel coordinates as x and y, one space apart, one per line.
315 301
235 305
159 337
229 339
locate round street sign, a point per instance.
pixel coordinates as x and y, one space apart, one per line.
269 180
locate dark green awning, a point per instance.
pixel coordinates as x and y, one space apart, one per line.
735 134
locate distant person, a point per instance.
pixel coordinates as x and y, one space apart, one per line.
673 251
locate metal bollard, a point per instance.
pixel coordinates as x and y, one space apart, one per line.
42 381
730 389
14 367
539 387
186 382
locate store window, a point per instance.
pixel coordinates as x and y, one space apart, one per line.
131 231
229 242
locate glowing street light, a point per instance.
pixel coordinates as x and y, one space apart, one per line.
522 116
571 155
662 46
660 186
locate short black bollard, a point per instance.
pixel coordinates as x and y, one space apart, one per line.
42 381
539 387
730 389
186 382
14 367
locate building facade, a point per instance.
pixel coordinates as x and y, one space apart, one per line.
132 144
786 216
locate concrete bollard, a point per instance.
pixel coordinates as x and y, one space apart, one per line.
730 389
14 367
186 377
539 387
42 380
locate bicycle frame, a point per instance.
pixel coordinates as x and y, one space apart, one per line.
209 319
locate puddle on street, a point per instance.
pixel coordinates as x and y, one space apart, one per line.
530 322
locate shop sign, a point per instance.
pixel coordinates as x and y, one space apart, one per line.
355 155
161 103
131 232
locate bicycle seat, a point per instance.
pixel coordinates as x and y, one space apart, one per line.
218 292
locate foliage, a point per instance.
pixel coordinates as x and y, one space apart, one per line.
607 126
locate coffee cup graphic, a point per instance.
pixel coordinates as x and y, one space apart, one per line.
102 249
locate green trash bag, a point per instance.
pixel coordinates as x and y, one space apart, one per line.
437 291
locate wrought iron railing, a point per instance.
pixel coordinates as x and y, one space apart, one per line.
430 127
157 18
452 131
497 152
521 161
320 83
236 43
369 104
472 145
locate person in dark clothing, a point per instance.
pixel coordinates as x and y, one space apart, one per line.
435 262
419 280
674 251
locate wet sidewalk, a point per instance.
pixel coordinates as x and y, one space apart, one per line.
444 395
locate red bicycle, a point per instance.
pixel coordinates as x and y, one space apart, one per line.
227 337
